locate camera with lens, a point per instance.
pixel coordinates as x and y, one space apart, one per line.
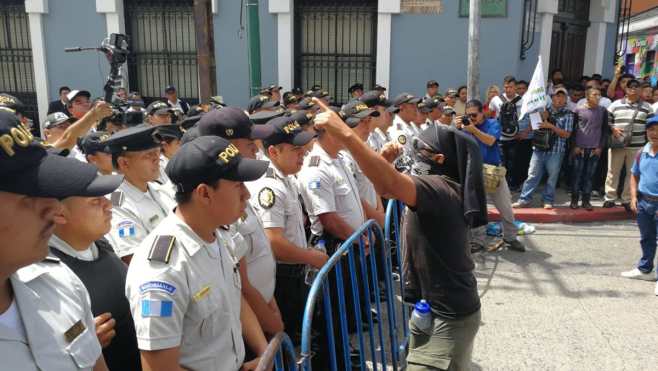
465 120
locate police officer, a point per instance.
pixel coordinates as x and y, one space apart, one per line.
159 113
378 138
253 250
94 147
169 137
44 308
140 204
261 103
404 129
430 110
183 286
80 245
356 90
276 200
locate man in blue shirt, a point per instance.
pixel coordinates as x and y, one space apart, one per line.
549 160
644 201
487 133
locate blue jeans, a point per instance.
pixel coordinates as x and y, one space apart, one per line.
542 161
647 220
583 169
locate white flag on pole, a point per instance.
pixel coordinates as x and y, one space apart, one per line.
535 98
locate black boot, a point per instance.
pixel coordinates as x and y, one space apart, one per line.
586 205
574 200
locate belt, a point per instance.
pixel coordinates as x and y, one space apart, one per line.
648 197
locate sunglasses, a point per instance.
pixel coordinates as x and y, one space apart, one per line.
472 115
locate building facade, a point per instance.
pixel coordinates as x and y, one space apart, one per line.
399 44
641 44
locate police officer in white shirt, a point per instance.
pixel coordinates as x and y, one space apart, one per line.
275 197
379 137
404 129
169 137
140 204
45 316
183 286
254 253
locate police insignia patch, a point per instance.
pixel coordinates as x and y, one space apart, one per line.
266 198
402 139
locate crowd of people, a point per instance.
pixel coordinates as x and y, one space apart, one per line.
168 236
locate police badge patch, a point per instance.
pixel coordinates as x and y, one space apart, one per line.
402 139
266 198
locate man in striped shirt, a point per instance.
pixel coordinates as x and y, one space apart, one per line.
626 118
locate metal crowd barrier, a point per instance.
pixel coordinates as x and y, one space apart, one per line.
365 282
279 349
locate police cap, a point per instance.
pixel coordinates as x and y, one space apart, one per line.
355 111
158 108
287 130
209 158
94 142
27 168
231 123
133 139
261 102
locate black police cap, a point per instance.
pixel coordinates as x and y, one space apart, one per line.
354 87
355 111
374 98
10 102
209 158
302 117
172 131
27 168
133 139
158 108
287 130
94 142
261 102
262 117
231 123
404 98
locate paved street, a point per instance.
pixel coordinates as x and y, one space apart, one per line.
563 306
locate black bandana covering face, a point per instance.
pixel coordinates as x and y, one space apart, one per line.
424 163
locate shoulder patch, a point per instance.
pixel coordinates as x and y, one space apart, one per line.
402 139
126 228
266 198
269 173
161 249
314 161
117 198
314 184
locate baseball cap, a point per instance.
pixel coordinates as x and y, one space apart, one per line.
172 131
57 118
262 117
287 130
560 90
158 108
653 120
74 93
216 101
307 104
432 83
379 87
447 110
404 98
302 117
261 102
268 89
10 102
133 118
133 139
170 88
210 158
354 111
193 116
94 142
357 86
290 98
451 92
428 104
319 93
27 168
190 135
231 123
374 98
297 91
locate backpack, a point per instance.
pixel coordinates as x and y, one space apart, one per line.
509 119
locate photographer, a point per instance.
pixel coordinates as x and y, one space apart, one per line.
487 132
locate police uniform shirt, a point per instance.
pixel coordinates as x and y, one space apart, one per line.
89 254
164 179
377 139
187 296
367 190
402 133
135 214
275 197
54 311
261 266
328 186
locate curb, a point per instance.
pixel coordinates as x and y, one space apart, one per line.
565 215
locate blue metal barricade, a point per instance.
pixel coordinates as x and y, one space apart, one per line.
364 280
280 353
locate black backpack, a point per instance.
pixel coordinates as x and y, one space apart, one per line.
509 119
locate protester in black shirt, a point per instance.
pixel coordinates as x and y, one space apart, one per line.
445 198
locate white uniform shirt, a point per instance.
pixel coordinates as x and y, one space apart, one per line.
89 254
275 197
327 186
164 180
261 266
192 302
367 190
377 139
55 312
137 215
403 133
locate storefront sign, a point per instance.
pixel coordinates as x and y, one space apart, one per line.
488 8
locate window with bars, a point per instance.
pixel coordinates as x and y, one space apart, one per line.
16 69
163 48
335 45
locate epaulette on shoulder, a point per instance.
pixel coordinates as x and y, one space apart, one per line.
51 259
270 173
162 248
117 198
314 161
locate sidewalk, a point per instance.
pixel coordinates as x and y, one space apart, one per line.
562 213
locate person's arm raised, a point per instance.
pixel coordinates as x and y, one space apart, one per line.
388 181
83 125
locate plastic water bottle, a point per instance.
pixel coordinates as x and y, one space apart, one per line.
310 271
422 316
